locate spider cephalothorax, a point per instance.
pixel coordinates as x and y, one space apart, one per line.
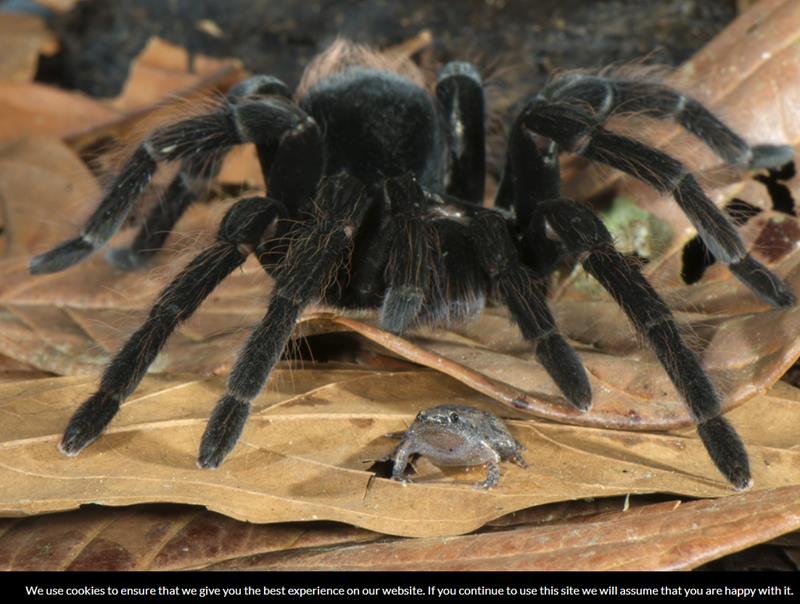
376 187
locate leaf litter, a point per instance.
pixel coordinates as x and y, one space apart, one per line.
745 352
616 533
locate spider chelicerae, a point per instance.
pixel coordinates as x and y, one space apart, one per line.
375 200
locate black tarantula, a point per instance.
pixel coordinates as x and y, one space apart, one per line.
375 200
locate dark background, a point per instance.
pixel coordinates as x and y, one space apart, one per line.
100 37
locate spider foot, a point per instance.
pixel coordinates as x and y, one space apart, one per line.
400 307
726 451
222 432
88 423
763 282
770 156
126 259
62 256
566 369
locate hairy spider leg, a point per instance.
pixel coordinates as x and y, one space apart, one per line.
190 183
531 182
459 91
260 120
241 230
412 240
459 286
253 224
583 233
525 299
531 174
607 96
410 257
317 248
578 131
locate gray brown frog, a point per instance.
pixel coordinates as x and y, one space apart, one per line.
456 435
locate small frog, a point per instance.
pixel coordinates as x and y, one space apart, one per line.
455 435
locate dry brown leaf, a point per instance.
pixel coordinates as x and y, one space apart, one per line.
172 537
61 6
156 537
12 370
748 72
175 537
29 108
307 447
22 39
163 70
665 536
43 170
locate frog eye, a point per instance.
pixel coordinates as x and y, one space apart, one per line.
454 417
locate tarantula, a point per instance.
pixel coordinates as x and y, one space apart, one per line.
375 200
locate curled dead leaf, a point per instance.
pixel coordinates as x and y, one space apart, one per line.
156 537
172 537
665 536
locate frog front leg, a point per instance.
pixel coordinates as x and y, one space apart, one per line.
492 470
402 457
517 458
